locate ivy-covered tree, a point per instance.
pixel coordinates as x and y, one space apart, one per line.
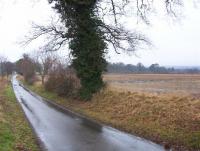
88 50
87 44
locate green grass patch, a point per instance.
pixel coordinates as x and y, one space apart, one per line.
6 137
15 132
194 140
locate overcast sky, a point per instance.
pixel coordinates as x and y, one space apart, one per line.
175 44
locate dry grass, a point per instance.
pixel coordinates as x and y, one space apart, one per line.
172 119
2 118
155 83
165 118
1 115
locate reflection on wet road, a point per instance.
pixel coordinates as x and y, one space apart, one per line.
62 132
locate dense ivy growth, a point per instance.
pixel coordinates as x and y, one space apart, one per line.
86 42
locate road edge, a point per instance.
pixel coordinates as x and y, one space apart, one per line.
39 142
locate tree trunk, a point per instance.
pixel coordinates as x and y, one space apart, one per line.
88 52
43 76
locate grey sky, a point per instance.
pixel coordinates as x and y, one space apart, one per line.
174 43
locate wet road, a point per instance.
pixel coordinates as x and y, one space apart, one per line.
62 132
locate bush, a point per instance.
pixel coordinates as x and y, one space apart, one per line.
62 82
66 86
30 79
51 82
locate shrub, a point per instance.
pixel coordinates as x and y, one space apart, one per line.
30 78
63 82
66 86
50 83
30 81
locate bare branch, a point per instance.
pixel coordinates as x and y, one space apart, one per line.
122 39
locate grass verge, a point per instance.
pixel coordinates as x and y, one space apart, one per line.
15 133
168 119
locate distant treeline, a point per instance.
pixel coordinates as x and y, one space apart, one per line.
140 68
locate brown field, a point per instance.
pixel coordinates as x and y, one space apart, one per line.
188 84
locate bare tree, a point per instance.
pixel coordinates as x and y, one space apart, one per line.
26 67
54 34
45 60
9 68
3 60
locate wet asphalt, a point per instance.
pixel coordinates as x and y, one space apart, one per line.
59 131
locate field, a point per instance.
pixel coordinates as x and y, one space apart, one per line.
183 84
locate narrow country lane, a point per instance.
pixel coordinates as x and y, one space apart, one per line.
59 131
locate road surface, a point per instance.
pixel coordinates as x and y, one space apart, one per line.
59 131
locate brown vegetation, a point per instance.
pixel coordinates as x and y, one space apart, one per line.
167 118
63 82
182 84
